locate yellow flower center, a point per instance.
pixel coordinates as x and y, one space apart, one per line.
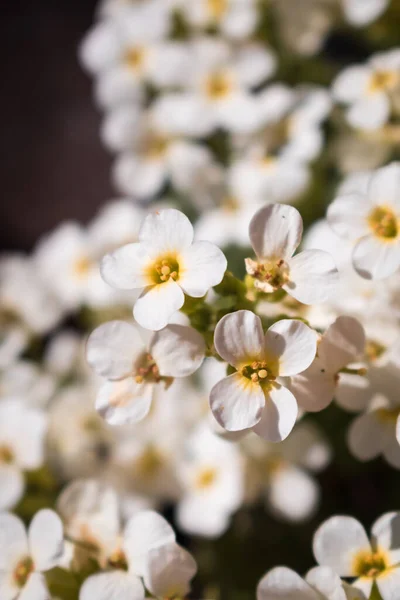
370 564
117 560
146 370
388 415
258 372
206 478
22 571
383 223
216 8
149 462
383 81
134 57
81 267
163 269
155 146
270 276
6 454
218 85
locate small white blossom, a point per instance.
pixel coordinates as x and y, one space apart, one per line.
165 265
255 396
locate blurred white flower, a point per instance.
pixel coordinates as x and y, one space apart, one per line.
235 19
22 447
363 12
342 544
255 396
371 221
25 556
165 265
132 367
169 571
275 233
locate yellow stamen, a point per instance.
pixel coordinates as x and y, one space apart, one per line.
206 478
218 85
383 81
22 571
383 223
163 269
368 563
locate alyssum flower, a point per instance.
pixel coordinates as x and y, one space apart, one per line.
275 233
255 396
165 264
133 368
372 221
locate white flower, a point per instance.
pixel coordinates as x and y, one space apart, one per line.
372 221
321 583
342 544
22 432
236 19
275 233
133 368
363 12
212 477
168 572
25 556
165 265
342 343
127 560
255 396
369 90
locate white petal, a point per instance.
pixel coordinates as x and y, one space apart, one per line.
115 585
326 582
157 304
363 585
293 343
282 583
144 532
239 337
164 231
178 350
35 588
279 414
293 493
196 518
238 113
204 265
254 63
376 259
169 570
347 215
389 584
12 485
384 186
350 84
366 436
314 388
313 277
13 541
369 113
8 588
362 12
353 392
125 401
140 178
386 534
275 231
100 47
124 268
337 541
112 349
237 403
342 343
46 539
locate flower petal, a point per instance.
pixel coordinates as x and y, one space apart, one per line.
282 583
314 388
12 485
46 539
112 349
279 414
376 259
347 215
125 401
204 265
293 493
239 337
115 585
144 532
178 350
313 277
35 588
141 178
389 584
366 436
124 269
342 343
157 304
350 84
370 112
164 231
236 402
9 590
13 541
384 186
169 570
293 343
275 231
337 541
386 534
326 582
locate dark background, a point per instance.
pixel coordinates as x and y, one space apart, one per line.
52 166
